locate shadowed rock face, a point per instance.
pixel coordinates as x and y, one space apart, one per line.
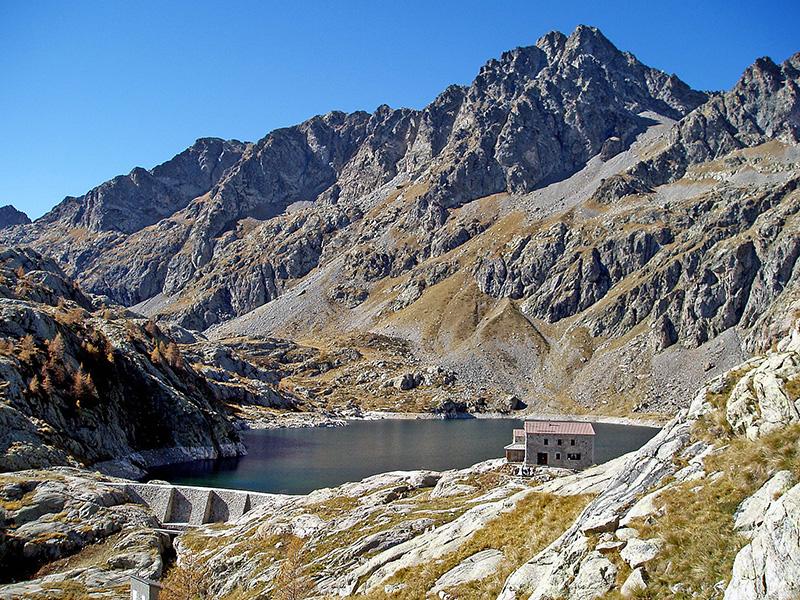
85 385
10 216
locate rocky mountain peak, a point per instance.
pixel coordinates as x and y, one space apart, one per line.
503 77
590 40
770 95
552 44
534 115
10 216
131 202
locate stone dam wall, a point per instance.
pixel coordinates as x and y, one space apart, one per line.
182 505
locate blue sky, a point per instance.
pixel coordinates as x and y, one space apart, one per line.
91 89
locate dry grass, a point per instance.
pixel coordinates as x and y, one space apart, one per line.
67 590
792 387
12 505
334 507
520 534
697 525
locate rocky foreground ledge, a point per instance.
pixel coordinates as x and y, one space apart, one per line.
66 533
710 507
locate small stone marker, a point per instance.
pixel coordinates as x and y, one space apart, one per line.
144 589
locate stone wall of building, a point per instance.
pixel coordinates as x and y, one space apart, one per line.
559 455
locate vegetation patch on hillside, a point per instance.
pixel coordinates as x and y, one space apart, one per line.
535 522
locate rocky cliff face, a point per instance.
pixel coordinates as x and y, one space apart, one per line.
570 210
764 105
88 384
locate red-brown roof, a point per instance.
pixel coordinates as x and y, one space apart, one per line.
559 427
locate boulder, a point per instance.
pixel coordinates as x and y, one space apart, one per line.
637 552
759 402
635 583
644 507
600 523
626 533
595 578
450 408
404 382
751 512
610 547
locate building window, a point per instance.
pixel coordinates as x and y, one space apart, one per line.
558 455
574 456
546 441
560 442
572 442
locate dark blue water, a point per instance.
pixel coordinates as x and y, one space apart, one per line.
297 461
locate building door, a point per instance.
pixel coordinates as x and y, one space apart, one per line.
541 458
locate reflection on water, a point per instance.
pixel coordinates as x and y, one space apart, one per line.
297 461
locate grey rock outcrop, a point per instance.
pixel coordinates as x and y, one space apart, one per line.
60 513
474 568
760 403
769 566
638 552
635 583
594 579
751 513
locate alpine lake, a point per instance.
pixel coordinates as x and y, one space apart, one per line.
300 460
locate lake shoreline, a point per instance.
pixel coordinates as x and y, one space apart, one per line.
309 420
612 420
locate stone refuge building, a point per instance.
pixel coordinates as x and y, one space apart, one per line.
567 444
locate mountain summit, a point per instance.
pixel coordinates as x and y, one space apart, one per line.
570 210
